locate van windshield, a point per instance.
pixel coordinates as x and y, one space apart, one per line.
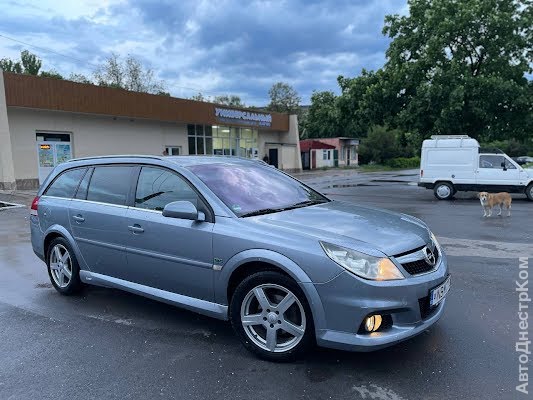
254 190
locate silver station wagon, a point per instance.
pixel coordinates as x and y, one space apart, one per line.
237 239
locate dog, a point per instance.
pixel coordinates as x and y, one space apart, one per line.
490 200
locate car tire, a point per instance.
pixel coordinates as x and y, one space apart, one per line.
529 191
278 324
63 267
444 191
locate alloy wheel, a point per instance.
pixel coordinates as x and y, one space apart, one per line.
60 266
273 318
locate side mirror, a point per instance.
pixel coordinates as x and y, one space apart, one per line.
183 210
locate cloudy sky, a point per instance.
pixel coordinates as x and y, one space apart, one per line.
216 47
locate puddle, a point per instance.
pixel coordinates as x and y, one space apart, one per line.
348 185
389 181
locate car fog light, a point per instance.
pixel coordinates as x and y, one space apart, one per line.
373 322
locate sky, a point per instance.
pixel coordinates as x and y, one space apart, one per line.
214 47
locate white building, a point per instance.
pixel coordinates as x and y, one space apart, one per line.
46 121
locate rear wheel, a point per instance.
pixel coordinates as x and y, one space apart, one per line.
271 316
444 191
529 191
63 268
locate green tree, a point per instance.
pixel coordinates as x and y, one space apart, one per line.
380 145
129 74
30 62
8 65
79 78
322 118
51 74
283 98
458 66
200 97
232 100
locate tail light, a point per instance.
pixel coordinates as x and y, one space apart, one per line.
421 173
34 206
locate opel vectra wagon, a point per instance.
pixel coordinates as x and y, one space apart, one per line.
237 239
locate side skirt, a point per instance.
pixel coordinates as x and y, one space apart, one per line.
204 307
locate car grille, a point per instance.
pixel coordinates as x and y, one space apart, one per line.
418 267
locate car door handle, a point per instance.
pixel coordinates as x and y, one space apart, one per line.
78 218
136 228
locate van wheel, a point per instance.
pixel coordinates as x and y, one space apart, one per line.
444 191
529 191
270 314
63 268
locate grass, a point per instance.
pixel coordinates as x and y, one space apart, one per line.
377 168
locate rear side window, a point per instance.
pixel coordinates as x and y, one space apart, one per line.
157 187
65 185
84 185
110 184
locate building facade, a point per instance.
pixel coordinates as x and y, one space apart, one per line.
44 122
316 154
345 152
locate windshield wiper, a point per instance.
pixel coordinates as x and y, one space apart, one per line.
305 204
262 212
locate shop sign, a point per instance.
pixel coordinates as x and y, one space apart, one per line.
243 117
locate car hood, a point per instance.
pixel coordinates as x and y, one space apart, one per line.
358 227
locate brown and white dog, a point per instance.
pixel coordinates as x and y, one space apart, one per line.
490 200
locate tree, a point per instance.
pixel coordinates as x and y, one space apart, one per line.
79 78
232 100
129 74
323 117
8 65
458 66
380 145
51 74
200 97
283 98
30 62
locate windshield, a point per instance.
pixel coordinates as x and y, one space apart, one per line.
255 189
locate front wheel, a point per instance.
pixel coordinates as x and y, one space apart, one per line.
444 191
271 316
529 191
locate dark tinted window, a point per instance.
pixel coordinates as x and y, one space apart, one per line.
65 185
251 188
84 185
157 187
110 185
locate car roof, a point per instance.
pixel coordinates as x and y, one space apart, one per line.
183 161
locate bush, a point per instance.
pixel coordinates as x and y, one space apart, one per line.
403 162
511 147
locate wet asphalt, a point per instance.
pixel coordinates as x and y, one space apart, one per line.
107 344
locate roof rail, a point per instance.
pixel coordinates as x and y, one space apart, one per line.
450 137
116 156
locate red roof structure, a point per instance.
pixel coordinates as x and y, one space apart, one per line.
310 144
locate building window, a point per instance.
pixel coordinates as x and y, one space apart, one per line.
326 154
222 140
172 151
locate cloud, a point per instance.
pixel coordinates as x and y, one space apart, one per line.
216 47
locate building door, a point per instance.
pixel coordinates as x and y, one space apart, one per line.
273 157
313 159
50 154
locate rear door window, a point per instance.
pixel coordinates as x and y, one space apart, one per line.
157 187
110 184
65 185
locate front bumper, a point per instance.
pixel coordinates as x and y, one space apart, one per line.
347 300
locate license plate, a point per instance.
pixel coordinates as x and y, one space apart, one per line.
436 295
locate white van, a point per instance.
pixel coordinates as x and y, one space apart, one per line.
456 162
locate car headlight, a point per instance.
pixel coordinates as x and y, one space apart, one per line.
365 266
437 244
